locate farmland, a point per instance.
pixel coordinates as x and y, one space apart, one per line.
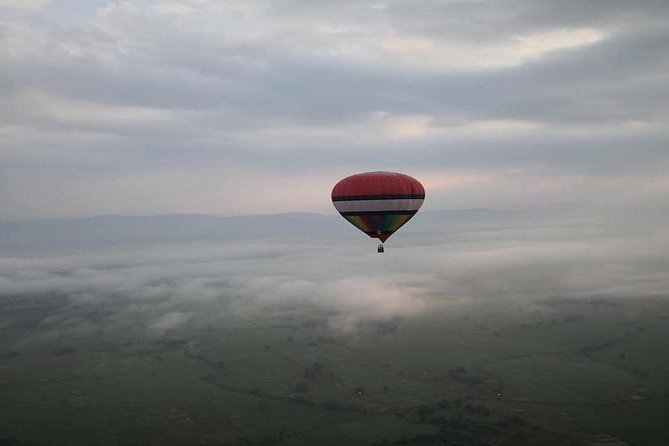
556 371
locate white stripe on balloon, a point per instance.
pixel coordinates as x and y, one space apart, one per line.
403 204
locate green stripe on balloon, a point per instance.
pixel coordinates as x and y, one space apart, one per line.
386 223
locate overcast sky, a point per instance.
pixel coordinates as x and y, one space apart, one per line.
238 107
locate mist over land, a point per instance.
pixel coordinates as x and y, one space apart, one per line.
474 325
459 254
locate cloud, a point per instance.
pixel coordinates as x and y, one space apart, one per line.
418 53
345 288
31 5
169 321
136 91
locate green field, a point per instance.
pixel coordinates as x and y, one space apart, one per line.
554 372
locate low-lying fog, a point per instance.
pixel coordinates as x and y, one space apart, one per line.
297 263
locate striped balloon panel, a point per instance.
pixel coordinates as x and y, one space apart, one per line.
379 225
378 218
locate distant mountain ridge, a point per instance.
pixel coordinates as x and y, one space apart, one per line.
109 230
115 229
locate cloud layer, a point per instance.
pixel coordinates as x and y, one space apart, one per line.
253 107
344 287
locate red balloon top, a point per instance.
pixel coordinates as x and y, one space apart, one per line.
378 184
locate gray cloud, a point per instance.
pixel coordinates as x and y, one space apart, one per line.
126 93
439 260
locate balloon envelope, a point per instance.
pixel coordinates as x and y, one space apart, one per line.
378 203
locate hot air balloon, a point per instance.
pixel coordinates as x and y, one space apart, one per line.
378 203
